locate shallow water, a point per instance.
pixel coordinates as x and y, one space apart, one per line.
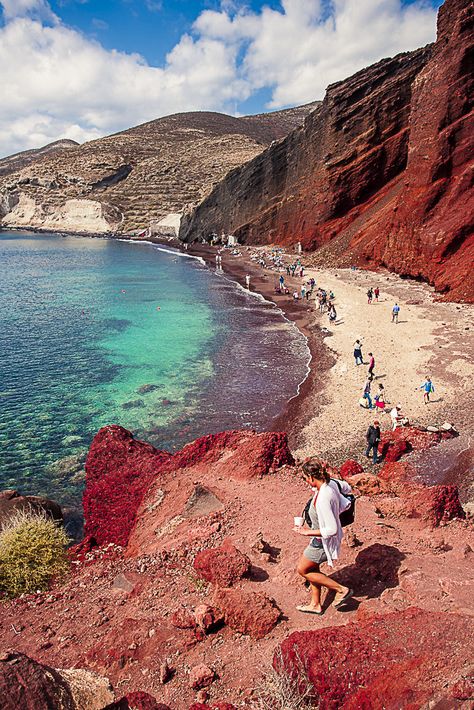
96 331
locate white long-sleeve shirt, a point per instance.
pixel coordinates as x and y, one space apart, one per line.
329 505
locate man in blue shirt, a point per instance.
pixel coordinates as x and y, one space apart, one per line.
427 387
395 312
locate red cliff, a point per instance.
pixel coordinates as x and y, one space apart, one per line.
378 175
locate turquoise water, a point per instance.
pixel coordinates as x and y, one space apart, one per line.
96 331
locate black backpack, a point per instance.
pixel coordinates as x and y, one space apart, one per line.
346 517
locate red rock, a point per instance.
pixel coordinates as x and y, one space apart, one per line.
366 483
24 683
201 677
220 705
207 617
435 504
222 565
182 618
137 701
350 468
252 613
255 454
394 450
119 470
463 689
391 661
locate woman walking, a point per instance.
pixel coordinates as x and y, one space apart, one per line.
326 536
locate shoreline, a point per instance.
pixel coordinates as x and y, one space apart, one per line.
294 415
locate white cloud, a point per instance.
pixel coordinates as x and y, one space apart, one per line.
57 82
33 8
307 44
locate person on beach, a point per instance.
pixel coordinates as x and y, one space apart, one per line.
370 371
396 416
370 295
366 392
296 296
287 270
282 282
326 535
373 439
377 293
395 312
427 387
332 315
380 397
247 281
303 292
358 352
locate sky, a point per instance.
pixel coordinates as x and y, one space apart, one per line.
82 69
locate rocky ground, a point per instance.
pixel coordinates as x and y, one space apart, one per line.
201 591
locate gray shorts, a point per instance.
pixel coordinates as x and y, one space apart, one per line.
315 554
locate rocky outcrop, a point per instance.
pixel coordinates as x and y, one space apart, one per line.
11 501
120 472
24 683
126 181
378 175
401 660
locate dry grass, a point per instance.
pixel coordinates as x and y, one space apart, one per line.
32 553
279 691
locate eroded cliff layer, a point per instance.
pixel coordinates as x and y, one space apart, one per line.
379 174
125 181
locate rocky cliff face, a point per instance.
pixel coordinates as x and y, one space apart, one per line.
123 182
378 175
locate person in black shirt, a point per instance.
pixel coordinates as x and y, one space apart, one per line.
373 440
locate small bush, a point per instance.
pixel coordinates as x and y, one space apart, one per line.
279 691
32 552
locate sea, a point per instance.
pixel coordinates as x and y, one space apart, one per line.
100 331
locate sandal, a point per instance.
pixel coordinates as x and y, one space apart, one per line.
306 609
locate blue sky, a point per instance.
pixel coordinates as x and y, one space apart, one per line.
86 68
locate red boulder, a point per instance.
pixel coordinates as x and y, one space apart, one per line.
24 683
350 468
222 565
247 454
201 677
251 613
383 661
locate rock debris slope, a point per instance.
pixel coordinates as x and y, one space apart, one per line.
380 174
124 181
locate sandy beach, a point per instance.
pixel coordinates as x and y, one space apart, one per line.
432 338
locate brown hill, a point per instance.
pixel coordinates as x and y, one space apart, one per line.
124 181
17 161
378 175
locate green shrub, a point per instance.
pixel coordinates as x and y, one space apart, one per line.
32 552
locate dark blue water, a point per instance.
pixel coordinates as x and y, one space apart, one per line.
96 331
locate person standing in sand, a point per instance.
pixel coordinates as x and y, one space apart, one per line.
427 387
366 392
373 440
326 536
395 312
377 293
358 352
370 295
371 365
